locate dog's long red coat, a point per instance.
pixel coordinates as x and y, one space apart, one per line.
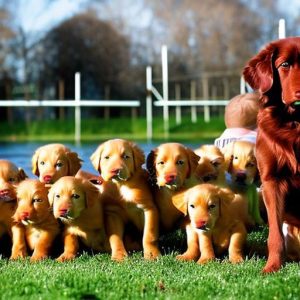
275 73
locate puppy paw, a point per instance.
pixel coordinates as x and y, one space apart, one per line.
271 267
152 254
235 259
66 257
119 256
187 257
21 254
205 260
38 257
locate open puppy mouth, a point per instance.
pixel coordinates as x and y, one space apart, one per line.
296 104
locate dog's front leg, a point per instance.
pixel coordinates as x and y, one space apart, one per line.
237 241
192 252
206 248
115 232
274 202
150 236
70 247
19 249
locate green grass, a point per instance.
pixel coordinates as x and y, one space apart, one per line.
100 129
97 277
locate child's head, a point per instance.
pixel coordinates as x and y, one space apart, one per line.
242 111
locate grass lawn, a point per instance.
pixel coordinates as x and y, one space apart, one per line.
100 129
97 277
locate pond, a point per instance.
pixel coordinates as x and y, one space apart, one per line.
21 153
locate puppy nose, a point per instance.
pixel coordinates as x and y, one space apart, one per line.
24 215
170 178
241 176
201 224
4 193
63 212
115 171
48 178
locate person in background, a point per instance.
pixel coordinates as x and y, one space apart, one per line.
240 119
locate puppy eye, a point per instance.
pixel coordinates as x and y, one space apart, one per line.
211 206
57 196
59 165
161 163
42 163
75 196
125 156
192 205
236 157
180 162
106 157
36 200
215 163
11 179
250 165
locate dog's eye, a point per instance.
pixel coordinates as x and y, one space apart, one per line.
125 156
57 196
75 196
235 157
36 200
42 163
285 64
211 206
180 162
192 205
59 165
11 179
250 165
161 163
106 157
215 163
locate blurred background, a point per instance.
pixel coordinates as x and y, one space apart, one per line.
111 42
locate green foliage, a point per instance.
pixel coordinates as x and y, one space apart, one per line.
100 129
97 277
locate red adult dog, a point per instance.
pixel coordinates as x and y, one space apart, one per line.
275 73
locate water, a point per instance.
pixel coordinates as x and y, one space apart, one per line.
21 153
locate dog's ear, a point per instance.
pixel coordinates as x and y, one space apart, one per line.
193 160
228 152
91 193
138 156
51 194
34 162
150 165
74 162
225 197
21 174
96 157
259 70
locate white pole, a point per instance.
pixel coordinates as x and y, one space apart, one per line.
193 97
242 85
164 58
281 29
178 108
149 103
77 108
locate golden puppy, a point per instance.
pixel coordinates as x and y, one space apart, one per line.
172 171
211 166
34 223
242 167
120 162
77 203
216 222
52 161
10 176
292 241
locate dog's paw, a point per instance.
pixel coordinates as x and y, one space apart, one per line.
152 254
205 260
38 257
66 257
119 256
20 254
187 257
235 259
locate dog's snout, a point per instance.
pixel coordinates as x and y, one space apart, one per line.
4 193
170 178
63 212
47 178
241 176
201 224
116 171
24 215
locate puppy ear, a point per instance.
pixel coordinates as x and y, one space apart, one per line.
74 162
21 174
226 197
193 160
259 70
138 156
34 162
51 193
150 165
91 193
228 152
95 158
